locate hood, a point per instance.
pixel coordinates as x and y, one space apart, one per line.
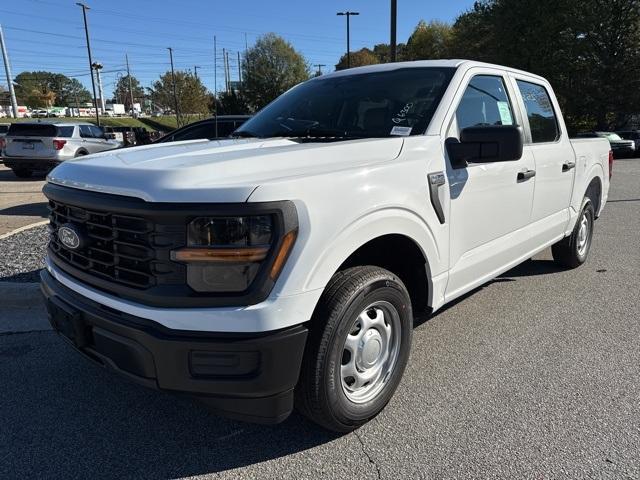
215 171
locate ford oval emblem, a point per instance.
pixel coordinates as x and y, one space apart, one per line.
69 237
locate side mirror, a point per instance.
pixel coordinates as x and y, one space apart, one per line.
500 143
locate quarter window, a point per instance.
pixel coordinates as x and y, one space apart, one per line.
485 103
542 119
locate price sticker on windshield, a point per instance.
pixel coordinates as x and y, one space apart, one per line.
403 131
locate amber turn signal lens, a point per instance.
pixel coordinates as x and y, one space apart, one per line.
287 242
220 255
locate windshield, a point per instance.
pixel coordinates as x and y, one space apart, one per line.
377 104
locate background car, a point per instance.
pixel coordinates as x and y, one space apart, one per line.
206 129
619 146
631 135
40 146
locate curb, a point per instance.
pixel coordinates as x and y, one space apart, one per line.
22 229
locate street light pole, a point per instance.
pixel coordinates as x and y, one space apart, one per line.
98 66
173 78
348 14
93 83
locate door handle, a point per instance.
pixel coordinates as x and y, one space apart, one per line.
568 166
526 175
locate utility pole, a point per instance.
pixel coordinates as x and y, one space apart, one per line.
98 66
319 65
195 69
126 56
173 79
93 83
7 69
215 83
239 68
393 49
224 62
348 14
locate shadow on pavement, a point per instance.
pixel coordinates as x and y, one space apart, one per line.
63 417
38 209
8 176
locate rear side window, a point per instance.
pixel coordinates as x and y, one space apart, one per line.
542 118
85 131
32 130
97 132
485 103
65 132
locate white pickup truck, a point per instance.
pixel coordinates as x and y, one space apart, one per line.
285 265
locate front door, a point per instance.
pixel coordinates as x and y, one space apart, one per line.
490 205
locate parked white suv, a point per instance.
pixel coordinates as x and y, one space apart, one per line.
287 263
32 146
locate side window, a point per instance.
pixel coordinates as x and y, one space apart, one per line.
196 132
98 132
225 129
85 131
542 118
485 103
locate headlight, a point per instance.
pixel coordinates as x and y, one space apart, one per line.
224 254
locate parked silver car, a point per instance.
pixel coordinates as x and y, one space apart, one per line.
40 146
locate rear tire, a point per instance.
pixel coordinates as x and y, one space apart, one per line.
358 348
572 251
23 172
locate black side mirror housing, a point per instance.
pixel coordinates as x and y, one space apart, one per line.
499 143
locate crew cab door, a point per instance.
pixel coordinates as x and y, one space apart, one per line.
490 203
554 157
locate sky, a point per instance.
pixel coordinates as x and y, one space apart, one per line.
49 34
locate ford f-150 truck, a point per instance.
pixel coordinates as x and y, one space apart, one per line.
283 266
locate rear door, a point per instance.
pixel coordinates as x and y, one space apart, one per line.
555 160
490 207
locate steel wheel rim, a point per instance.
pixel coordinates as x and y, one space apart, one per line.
583 235
370 352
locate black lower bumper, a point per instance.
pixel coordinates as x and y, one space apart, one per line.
246 376
37 164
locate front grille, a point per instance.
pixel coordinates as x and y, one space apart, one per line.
119 248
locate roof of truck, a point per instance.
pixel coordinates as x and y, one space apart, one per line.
453 63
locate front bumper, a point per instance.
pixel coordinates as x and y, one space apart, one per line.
246 376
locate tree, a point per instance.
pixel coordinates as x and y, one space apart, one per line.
429 41
271 67
121 91
44 89
231 103
359 58
193 96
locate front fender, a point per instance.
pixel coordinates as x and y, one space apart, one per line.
364 229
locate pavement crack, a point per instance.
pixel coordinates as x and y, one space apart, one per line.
369 457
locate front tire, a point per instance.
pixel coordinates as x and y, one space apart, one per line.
572 251
358 348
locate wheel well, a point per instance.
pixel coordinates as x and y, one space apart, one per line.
594 192
401 256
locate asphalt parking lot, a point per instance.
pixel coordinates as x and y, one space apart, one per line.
535 375
21 200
